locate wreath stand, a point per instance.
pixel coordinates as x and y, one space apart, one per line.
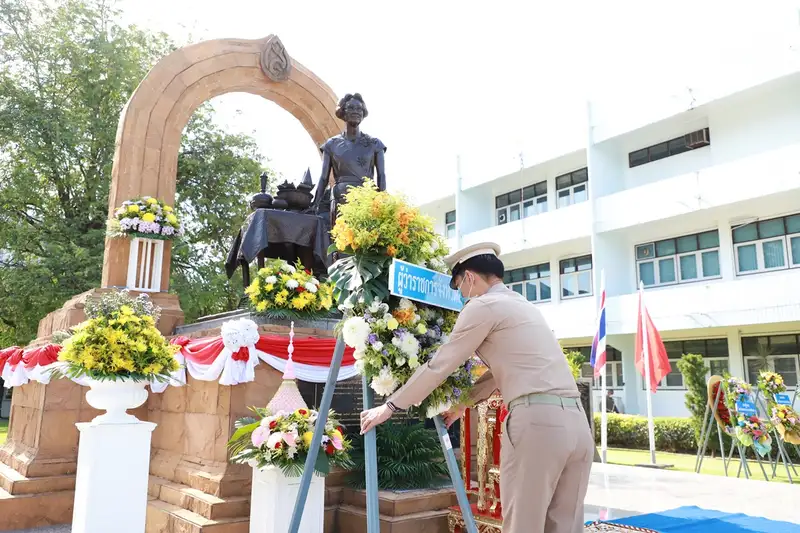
782 455
711 416
371 455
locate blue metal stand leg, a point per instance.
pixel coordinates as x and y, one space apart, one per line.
371 466
455 476
316 441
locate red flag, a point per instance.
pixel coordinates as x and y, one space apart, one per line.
659 362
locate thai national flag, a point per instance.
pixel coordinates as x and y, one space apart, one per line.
598 359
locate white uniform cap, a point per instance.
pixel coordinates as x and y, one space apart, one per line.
480 248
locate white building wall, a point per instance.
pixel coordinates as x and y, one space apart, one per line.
750 171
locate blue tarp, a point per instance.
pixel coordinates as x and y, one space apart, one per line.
697 520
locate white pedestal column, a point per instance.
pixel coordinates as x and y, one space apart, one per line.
272 500
111 484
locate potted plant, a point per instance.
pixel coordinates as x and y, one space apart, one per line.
116 352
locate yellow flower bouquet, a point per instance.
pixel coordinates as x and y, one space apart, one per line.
145 217
281 290
119 341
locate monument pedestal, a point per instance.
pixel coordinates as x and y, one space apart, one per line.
113 471
273 499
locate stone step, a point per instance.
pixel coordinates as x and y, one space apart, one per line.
164 517
352 519
398 504
16 484
197 501
35 510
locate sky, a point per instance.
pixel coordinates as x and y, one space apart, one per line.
490 85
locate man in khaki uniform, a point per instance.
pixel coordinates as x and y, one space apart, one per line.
547 447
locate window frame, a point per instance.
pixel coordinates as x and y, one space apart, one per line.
706 359
450 225
772 357
529 196
613 365
523 284
676 259
575 179
576 274
671 148
786 238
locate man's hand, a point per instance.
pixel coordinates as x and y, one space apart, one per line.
453 414
374 417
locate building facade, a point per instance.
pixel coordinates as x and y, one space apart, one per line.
701 205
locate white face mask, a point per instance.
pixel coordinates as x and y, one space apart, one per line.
465 299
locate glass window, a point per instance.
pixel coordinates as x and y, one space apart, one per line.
688 267
687 244
544 288
771 228
579 176
718 367
710 263
647 273
514 212
530 291
584 263
745 233
678 146
709 239
580 194
666 270
747 258
450 217
562 182
793 224
717 347
787 367
517 288
659 151
795 250
450 231
501 201
665 247
639 157
783 345
515 197
645 251
773 254
576 277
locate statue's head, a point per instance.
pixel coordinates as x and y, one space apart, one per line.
352 109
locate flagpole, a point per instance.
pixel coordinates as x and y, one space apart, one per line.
646 356
604 392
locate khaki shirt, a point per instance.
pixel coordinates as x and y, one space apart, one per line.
512 337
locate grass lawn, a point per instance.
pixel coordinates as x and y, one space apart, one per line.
685 463
3 430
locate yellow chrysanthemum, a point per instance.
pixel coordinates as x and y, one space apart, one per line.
152 201
172 219
168 208
133 208
149 217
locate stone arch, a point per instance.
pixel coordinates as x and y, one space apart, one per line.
150 126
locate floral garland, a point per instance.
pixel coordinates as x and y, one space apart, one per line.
282 290
786 421
391 336
748 430
145 217
119 341
770 384
283 440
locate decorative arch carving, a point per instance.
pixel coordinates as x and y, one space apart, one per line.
150 126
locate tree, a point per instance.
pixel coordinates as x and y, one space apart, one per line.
65 74
694 371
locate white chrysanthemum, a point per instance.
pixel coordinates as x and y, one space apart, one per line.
409 345
310 287
437 409
416 318
271 279
405 303
359 353
375 307
292 284
400 361
286 267
347 305
355 332
387 316
384 308
413 362
377 346
291 451
384 383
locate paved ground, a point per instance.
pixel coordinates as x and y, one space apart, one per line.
51 529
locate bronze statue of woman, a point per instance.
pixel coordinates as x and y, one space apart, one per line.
352 156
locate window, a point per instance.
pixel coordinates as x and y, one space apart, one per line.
714 352
680 260
767 245
450 225
522 203
778 353
532 282
614 376
678 145
572 188
576 277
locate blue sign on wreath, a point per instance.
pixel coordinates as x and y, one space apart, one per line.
421 284
746 408
783 399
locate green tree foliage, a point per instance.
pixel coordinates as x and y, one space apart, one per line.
694 372
66 71
575 359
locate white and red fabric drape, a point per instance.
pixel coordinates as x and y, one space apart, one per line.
230 358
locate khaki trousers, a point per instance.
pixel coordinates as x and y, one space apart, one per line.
545 461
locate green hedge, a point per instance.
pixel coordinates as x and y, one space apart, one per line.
630 431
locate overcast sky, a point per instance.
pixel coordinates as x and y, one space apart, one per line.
486 81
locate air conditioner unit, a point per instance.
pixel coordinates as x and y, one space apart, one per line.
697 139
